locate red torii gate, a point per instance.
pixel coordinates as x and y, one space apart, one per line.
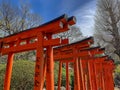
87 65
41 37
84 58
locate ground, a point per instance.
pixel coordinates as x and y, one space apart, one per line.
116 88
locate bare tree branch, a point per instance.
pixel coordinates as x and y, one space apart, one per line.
107 23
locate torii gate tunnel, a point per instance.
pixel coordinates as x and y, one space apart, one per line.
92 70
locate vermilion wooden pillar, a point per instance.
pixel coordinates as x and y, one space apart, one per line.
92 74
98 73
39 63
85 74
50 67
44 71
108 75
105 76
76 75
111 81
101 76
80 75
76 71
111 66
59 75
67 76
8 71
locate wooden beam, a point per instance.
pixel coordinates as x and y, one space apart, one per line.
49 27
32 46
79 54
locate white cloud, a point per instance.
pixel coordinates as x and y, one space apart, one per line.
85 18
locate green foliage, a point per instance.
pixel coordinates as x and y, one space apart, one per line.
117 76
22 76
117 63
63 82
117 70
72 81
56 70
2 71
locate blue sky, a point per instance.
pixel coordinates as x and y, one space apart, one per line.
84 11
